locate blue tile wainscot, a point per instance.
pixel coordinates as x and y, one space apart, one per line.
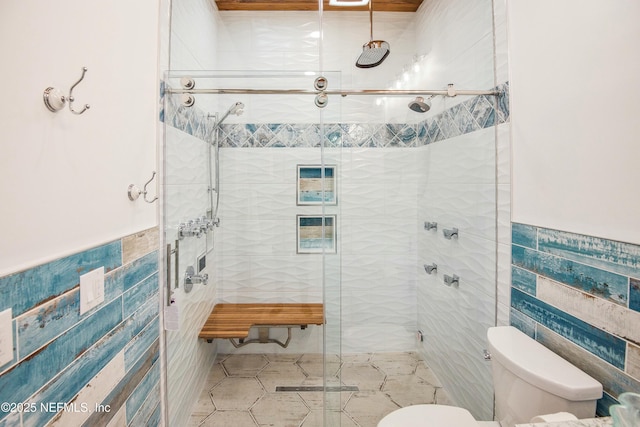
580 296
91 369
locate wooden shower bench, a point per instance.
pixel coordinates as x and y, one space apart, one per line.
233 321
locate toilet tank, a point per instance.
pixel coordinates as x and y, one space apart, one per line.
529 380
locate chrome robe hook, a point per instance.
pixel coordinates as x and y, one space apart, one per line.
134 192
55 101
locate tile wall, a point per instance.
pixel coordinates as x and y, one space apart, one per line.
255 255
65 364
473 114
580 296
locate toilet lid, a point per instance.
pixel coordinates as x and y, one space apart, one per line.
429 416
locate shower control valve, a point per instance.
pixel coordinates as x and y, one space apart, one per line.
449 233
430 225
191 278
189 229
451 280
431 268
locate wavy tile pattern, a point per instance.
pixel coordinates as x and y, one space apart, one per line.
458 190
576 294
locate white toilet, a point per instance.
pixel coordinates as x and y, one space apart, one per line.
529 380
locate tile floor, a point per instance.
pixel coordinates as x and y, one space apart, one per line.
241 390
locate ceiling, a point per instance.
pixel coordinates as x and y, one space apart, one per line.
292 5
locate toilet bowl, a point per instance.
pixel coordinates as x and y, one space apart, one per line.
433 416
529 380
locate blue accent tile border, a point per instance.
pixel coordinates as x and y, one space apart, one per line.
479 112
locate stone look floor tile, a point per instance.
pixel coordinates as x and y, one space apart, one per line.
406 390
424 372
230 419
363 375
236 393
203 406
442 398
281 374
396 363
216 374
245 365
335 401
239 390
314 365
368 407
316 418
280 410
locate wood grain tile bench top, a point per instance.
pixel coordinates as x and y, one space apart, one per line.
235 320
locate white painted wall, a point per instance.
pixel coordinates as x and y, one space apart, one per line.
575 85
65 177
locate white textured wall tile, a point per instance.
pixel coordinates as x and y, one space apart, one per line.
469 207
453 344
504 283
186 159
258 201
196 50
376 338
468 158
188 358
258 237
501 41
503 154
504 213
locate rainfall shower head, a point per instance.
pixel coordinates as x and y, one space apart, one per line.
375 51
419 105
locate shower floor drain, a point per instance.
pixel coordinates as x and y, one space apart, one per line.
318 388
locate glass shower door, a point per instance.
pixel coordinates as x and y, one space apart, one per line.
267 231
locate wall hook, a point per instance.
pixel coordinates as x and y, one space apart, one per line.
55 101
134 192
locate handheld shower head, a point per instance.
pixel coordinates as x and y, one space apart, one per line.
419 105
237 109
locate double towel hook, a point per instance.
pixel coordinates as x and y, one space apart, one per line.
134 192
55 101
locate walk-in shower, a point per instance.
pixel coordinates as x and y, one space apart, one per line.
325 207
